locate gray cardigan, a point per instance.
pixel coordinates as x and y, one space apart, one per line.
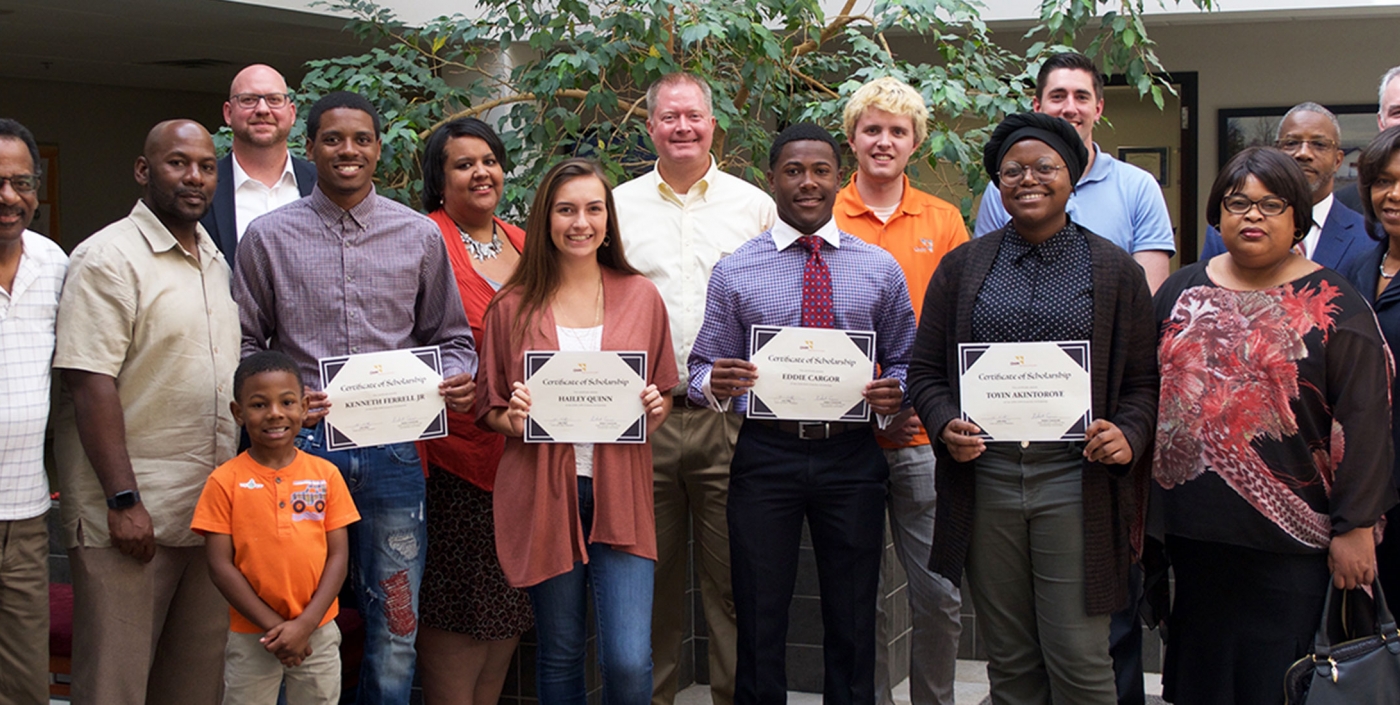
1123 355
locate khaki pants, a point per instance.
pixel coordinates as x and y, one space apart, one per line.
690 457
150 633
24 612
252 674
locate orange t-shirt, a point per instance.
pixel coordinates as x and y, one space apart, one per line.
922 229
278 520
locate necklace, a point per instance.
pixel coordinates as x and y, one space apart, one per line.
481 250
1392 274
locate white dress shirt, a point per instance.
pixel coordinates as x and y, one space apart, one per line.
676 239
27 316
252 198
1320 211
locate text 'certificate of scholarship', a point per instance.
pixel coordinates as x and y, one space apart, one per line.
585 397
384 397
810 374
1027 391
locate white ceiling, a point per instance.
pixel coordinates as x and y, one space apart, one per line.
193 45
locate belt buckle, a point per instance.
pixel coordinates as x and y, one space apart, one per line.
802 427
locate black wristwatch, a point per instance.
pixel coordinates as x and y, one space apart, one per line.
126 499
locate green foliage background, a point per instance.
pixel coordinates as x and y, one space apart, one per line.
575 74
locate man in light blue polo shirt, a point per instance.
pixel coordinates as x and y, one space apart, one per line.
1114 200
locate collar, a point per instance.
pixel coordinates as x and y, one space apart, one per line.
850 199
331 213
1103 164
785 235
699 190
1052 249
1321 210
241 177
158 237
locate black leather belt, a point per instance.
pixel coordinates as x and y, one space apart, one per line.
813 430
682 401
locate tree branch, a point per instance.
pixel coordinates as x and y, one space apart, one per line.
629 109
841 20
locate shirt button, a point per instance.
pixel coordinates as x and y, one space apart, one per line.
354 348
1025 444
349 278
278 480
282 505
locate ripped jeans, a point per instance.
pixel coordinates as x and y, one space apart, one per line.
387 549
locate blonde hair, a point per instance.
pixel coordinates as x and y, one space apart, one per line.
892 96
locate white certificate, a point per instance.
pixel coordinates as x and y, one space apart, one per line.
810 374
585 397
1027 391
384 397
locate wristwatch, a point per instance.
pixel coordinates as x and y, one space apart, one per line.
125 499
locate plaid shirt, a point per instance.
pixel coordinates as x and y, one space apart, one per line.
761 284
314 280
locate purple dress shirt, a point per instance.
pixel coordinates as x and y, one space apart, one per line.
313 280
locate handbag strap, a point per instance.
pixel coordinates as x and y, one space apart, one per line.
1385 621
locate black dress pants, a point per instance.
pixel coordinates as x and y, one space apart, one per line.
838 485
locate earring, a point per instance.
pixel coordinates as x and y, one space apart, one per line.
607 239
1298 236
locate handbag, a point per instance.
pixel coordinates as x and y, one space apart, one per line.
1362 670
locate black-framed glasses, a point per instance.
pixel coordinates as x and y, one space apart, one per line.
1011 173
1240 204
1293 145
21 183
248 101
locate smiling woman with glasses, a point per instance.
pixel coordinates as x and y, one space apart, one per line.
1042 528
1273 452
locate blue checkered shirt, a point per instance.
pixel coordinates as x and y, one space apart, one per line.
761 284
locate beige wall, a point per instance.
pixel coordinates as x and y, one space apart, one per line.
99 131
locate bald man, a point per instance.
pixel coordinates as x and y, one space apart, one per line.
147 342
259 174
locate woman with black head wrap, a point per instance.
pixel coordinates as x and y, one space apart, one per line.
1042 528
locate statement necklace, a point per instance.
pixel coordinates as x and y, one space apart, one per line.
1392 274
482 250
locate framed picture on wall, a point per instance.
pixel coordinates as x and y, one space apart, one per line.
1249 127
46 215
1153 160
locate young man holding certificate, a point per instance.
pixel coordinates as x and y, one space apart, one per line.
782 288
345 271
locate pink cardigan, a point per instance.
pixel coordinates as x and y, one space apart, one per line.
538 531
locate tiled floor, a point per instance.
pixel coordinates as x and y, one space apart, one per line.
971 689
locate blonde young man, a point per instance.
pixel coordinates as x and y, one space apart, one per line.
885 121
677 221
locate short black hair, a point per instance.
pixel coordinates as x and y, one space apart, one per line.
1369 166
1068 60
260 362
1278 172
434 163
797 132
338 99
11 129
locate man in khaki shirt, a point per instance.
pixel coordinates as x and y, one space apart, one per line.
676 222
147 344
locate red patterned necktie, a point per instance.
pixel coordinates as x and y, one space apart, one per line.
816 286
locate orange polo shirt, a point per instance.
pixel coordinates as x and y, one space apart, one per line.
278 520
918 234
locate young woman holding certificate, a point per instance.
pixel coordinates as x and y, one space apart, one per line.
1042 528
577 518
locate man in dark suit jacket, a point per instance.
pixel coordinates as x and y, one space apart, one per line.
265 176
1311 135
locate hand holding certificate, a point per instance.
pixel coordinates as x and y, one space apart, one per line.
584 397
383 397
1026 391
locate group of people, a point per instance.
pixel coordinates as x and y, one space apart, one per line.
1240 411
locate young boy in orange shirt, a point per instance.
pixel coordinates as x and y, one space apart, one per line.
274 523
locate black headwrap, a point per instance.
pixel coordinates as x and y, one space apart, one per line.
1053 131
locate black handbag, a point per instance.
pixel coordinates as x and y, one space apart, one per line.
1361 670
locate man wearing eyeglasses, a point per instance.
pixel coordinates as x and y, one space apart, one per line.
1387 116
259 174
1311 135
31 278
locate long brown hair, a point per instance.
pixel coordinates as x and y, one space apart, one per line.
537 275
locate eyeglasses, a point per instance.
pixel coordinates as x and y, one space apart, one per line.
1292 145
248 101
1011 173
21 183
1269 206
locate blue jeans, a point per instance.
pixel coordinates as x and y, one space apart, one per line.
387 549
621 584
